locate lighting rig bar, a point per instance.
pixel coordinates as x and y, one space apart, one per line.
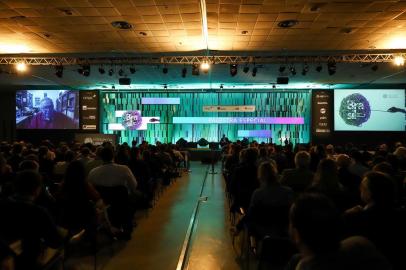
182 60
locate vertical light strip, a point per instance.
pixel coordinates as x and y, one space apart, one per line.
205 29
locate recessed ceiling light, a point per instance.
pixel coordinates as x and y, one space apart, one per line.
66 11
244 32
288 23
142 33
122 25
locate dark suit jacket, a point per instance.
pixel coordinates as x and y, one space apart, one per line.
297 179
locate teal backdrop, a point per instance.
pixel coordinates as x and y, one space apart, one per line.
268 104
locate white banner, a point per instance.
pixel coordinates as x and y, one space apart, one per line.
244 108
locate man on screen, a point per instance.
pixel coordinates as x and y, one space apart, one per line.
48 118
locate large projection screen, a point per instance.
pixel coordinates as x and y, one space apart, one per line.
369 110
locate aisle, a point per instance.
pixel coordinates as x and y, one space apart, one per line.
211 246
157 240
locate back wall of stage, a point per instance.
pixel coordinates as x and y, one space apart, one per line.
287 104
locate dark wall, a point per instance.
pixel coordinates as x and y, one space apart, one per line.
7 114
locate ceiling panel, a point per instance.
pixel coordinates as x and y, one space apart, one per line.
58 26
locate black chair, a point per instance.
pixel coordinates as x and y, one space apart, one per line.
120 211
275 252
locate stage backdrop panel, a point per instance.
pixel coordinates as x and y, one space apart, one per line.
271 104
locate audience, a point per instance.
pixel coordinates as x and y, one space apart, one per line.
261 179
315 230
25 221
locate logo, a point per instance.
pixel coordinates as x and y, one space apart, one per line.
131 120
88 127
323 110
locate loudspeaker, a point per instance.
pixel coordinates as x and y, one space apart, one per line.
282 80
124 81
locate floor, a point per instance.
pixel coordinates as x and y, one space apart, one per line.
159 237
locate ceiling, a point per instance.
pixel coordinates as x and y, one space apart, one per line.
83 27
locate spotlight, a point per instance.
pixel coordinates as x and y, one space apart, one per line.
121 72
21 67
221 86
319 68
165 86
233 69
165 70
59 71
184 72
246 69
374 68
331 67
305 69
254 71
195 70
205 66
111 72
282 69
84 70
132 70
292 70
101 70
399 60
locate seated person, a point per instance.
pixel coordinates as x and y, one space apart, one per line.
300 178
269 208
24 220
315 229
378 220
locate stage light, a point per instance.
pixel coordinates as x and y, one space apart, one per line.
84 70
292 70
374 68
101 70
254 71
111 72
184 72
205 66
282 69
246 69
221 86
165 70
319 68
233 69
132 70
121 72
59 71
21 67
331 67
399 60
195 70
305 69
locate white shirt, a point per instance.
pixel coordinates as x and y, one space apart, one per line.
111 175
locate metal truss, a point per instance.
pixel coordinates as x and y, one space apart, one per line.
189 60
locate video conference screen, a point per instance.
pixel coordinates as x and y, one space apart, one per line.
370 110
47 109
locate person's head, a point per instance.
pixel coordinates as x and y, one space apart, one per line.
47 108
267 172
85 151
107 154
315 224
302 159
28 183
29 165
384 167
377 188
75 176
17 148
343 161
329 149
69 156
